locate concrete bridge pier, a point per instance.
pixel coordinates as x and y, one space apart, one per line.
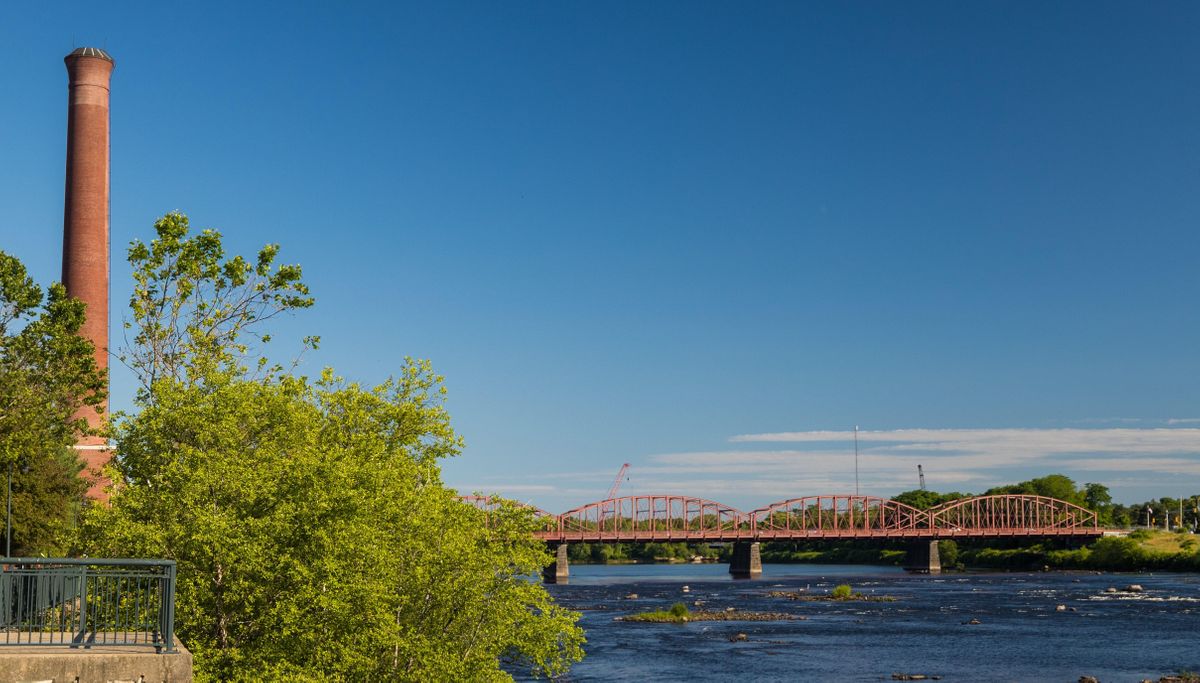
559 570
746 562
923 557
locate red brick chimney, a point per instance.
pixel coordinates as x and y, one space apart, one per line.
85 223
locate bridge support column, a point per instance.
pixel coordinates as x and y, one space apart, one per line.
746 562
559 570
923 557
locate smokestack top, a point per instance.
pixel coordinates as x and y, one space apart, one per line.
91 52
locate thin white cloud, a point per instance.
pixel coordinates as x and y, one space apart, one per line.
977 458
1150 465
763 468
1007 442
505 488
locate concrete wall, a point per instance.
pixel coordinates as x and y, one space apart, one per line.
95 665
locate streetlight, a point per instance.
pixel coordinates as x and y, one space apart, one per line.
8 517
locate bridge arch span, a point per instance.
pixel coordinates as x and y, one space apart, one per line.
837 515
655 517
490 505
1010 514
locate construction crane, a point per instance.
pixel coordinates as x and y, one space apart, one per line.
921 474
612 492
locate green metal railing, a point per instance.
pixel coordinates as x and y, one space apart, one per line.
80 603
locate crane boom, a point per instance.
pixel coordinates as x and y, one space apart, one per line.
612 492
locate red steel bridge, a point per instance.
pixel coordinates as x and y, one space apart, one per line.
668 518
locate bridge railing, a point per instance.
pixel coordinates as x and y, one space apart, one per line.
80 603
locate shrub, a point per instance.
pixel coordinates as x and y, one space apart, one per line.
842 592
1118 553
679 610
948 553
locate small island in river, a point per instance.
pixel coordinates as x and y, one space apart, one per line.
842 593
680 614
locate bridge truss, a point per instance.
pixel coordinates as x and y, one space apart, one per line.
669 518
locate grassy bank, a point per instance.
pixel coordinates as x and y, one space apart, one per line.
1144 550
1140 551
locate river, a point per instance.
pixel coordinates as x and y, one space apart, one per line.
1022 636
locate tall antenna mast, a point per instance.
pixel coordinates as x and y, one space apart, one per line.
856 460
921 474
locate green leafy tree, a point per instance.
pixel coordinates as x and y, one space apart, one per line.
1123 515
1057 486
948 553
923 499
314 537
48 380
195 311
1096 497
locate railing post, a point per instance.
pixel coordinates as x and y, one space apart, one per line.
167 616
81 593
6 601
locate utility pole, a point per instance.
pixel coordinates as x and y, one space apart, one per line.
856 460
8 517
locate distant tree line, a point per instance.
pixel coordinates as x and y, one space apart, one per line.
602 553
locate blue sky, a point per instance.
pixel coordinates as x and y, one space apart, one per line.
705 239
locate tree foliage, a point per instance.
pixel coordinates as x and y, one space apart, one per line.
923 499
1058 486
195 310
48 380
314 537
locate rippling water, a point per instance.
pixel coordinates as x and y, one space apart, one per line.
1021 637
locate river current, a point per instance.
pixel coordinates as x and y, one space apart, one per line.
1022 634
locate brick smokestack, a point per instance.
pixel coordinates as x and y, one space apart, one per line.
85 222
